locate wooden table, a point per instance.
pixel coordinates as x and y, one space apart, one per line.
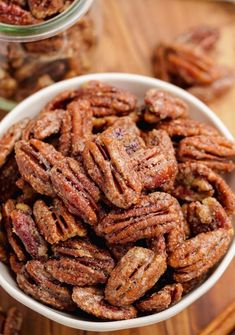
131 29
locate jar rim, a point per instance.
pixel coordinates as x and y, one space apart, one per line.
46 29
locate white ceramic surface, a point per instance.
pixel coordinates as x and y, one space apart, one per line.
137 85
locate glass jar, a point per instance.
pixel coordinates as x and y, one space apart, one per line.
36 56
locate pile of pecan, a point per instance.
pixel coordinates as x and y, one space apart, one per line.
114 208
10 322
185 62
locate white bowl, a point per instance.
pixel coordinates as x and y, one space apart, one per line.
137 85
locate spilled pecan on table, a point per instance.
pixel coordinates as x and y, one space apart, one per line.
112 208
11 322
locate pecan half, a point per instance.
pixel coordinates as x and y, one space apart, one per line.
162 105
9 139
77 191
60 101
24 227
91 300
161 300
76 128
196 182
35 159
60 224
35 281
47 124
180 128
13 14
13 322
135 274
154 214
109 165
42 9
198 254
205 216
214 151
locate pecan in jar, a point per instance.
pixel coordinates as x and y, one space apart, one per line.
12 323
42 9
80 263
196 182
14 14
214 151
77 191
153 215
76 128
25 228
160 105
91 300
35 159
205 216
35 281
60 226
181 128
198 254
137 271
161 300
108 164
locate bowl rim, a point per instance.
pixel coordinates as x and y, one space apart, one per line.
100 326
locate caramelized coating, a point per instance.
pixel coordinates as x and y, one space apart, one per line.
196 182
91 300
162 105
60 224
13 14
47 124
161 300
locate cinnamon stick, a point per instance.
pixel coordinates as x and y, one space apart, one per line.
222 324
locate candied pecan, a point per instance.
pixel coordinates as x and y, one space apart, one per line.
196 182
220 86
135 274
77 191
188 286
204 37
162 105
153 215
91 300
158 301
24 227
35 159
13 322
80 263
156 165
9 139
213 151
198 254
9 174
205 216
48 124
60 224
34 280
109 165
180 128
76 128
60 101
107 100
42 9
12 238
15 265
13 14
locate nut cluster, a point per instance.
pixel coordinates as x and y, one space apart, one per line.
113 208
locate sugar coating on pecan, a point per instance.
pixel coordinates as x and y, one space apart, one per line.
14 14
110 167
47 124
60 224
154 214
180 128
13 322
161 300
35 281
213 151
35 159
205 216
9 139
44 8
196 182
162 105
77 191
198 254
137 271
91 300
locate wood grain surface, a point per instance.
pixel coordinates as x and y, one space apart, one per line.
130 30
